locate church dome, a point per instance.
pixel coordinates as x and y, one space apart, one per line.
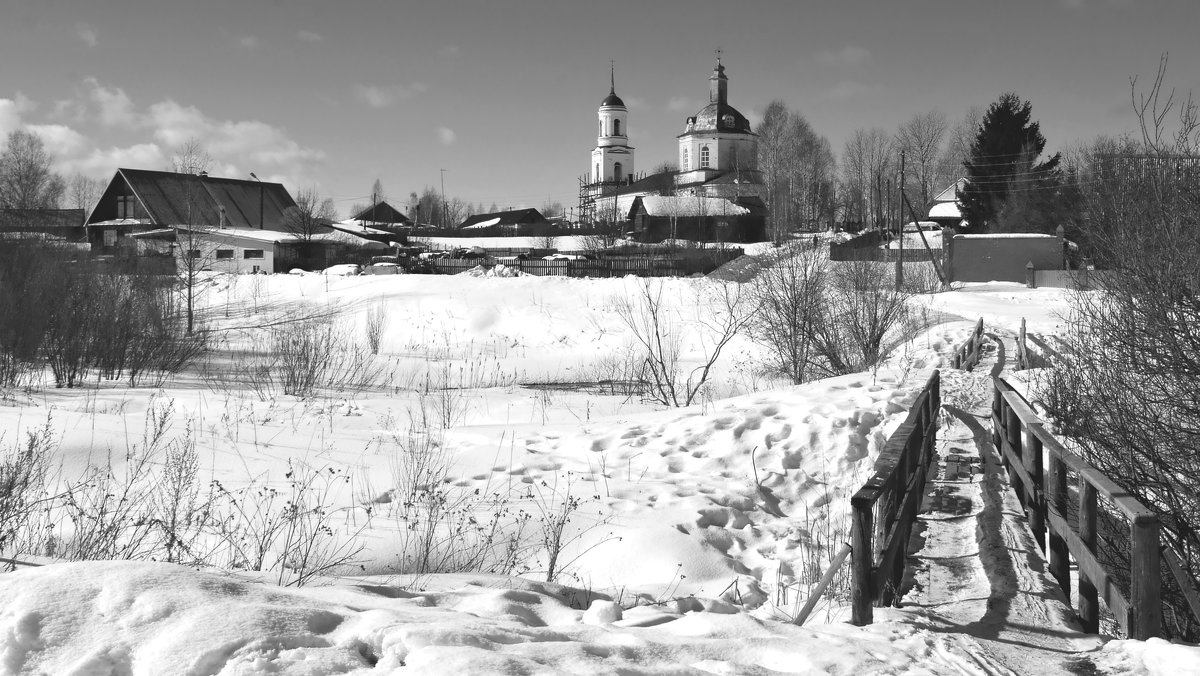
612 100
720 117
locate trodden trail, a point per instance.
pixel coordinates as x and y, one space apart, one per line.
976 568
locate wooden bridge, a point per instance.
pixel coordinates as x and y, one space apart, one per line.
1059 502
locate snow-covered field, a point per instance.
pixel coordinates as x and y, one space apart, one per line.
689 536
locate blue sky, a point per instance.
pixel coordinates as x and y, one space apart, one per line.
502 94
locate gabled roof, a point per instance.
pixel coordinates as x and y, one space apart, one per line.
381 212
950 193
506 218
182 199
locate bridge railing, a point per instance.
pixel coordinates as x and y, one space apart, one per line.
885 508
967 355
1043 356
1041 469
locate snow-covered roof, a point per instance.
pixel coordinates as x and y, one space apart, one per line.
945 210
248 233
682 205
484 224
950 194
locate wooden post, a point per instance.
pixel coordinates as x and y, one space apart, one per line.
862 561
1145 594
1089 608
1060 562
1022 349
1013 434
1036 506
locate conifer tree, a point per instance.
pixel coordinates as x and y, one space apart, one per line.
1003 164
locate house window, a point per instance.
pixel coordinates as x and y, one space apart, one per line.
616 127
224 254
683 163
252 253
126 206
193 253
704 162
617 171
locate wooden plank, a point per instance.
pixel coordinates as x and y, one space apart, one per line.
861 592
1091 567
1060 560
823 584
1190 594
1107 487
1035 496
1015 465
1145 594
1089 609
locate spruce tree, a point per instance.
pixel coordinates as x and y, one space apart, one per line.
1003 164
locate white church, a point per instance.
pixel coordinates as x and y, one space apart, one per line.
718 184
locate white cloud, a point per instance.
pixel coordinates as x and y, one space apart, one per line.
309 36
850 55
60 140
446 135
383 96
11 111
248 41
114 105
247 143
102 162
87 34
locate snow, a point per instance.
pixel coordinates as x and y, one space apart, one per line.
699 531
484 224
945 210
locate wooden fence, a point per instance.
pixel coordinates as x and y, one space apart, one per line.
885 508
1041 356
1040 469
967 355
604 267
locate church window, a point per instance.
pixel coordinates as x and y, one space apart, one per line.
684 162
602 127
704 157
599 176
617 171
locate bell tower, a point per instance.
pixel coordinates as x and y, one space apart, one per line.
612 158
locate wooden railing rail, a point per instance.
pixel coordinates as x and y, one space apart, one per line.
1038 465
967 355
884 509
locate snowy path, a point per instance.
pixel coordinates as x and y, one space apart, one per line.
977 569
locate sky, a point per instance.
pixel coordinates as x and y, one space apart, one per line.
502 94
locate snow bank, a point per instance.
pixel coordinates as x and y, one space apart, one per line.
152 618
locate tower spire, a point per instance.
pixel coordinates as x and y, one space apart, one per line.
612 76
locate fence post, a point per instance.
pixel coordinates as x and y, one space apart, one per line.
1145 600
1060 562
1089 609
1030 275
1036 507
862 558
1013 436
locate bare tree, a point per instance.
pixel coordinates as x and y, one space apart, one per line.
311 215
867 163
190 157
26 178
789 300
1129 390
83 192
920 139
952 162
797 167
658 332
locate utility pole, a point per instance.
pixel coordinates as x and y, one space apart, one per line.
445 212
900 258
